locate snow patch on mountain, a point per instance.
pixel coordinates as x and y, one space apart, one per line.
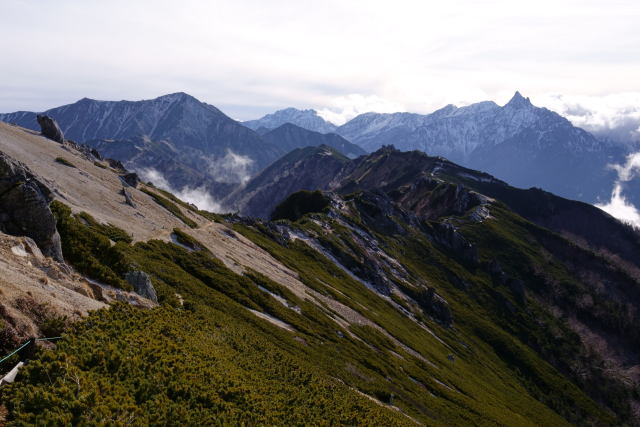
307 119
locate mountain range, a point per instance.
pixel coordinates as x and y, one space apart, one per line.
194 145
400 289
308 119
520 143
190 143
406 176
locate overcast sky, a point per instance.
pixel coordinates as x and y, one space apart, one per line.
581 58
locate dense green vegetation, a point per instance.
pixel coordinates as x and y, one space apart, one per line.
88 247
299 204
204 358
126 366
472 372
65 162
109 230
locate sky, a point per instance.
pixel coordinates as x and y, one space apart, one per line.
342 58
580 58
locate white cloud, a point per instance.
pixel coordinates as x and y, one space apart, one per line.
253 55
196 196
628 171
232 168
618 206
616 116
344 108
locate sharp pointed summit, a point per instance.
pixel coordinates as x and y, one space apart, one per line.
518 101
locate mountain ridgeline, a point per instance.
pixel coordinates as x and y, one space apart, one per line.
193 144
396 288
308 119
519 143
190 143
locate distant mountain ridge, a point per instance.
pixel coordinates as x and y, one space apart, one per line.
308 168
522 144
408 176
289 137
308 119
178 118
518 142
191 143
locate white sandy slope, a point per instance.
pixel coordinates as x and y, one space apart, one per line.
96 190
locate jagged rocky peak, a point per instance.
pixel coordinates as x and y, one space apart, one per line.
518 101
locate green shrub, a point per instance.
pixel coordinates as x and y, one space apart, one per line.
111 231
65 162
89 251
171 367
299 204
187 240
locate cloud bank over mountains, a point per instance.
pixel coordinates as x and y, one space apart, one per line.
614 116
232 168
196 196
618 206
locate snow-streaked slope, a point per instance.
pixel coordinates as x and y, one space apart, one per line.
193 128
518 142
307 119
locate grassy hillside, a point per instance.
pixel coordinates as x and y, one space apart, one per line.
349 355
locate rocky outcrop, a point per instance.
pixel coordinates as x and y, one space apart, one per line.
435 306
128 198
50 128
24 207
448 236
116 164
132 179
88 152
142 284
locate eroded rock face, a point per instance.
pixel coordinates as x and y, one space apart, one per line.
435 306
142 284
447 235
24 207
128 198
132 179
50 128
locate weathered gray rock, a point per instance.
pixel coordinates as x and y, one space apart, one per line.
435 306
116 164
32 247
88 152
50 128
447 235
142 284
132 179
24 207
128 198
